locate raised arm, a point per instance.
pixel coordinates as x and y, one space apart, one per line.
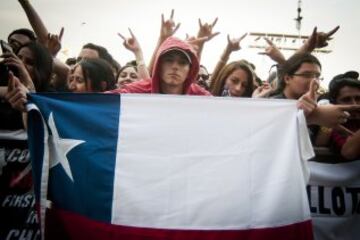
232 45
205 30
133 45
59 68
317 40
35 21
168 28
194 42
52 42
273 52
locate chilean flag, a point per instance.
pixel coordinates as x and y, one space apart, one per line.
169 167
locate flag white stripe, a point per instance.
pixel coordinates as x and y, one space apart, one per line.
44 203
208 163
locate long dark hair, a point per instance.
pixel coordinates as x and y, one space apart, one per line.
43 63
291 66
97 71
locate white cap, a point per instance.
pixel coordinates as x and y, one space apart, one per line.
178 50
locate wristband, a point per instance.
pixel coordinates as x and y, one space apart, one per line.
326 130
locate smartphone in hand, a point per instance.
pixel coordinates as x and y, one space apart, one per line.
5 47
4 70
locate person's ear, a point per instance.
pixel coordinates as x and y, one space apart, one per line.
287 79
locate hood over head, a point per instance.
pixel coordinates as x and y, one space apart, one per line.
175 44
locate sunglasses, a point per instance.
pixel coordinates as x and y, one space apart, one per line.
203 77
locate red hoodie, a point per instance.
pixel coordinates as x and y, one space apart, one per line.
153 85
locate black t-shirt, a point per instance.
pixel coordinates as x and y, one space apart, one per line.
10 119
18 219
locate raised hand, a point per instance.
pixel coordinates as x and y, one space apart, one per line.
195 40
234 43
16 94
131 43
206 30
273 52
319 39
168 27
54 42
307 102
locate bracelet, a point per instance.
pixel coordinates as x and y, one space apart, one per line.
326 130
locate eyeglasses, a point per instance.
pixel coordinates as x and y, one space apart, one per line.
203 77
349 99
309 75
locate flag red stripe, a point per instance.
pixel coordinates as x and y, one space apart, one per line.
65 225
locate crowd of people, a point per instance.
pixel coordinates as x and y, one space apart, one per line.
30 65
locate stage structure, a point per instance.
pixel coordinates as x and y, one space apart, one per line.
284 41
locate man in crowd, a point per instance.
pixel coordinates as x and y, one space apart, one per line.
175 70
345 89
19 37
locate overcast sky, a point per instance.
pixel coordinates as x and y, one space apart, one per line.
99 21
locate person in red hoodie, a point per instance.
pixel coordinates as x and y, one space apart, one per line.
174 71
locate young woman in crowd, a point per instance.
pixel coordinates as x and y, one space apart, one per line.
33 64
91 75
127 74
235 79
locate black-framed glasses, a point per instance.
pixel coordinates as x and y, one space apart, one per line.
309 75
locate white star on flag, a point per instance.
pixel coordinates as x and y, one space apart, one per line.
59 148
